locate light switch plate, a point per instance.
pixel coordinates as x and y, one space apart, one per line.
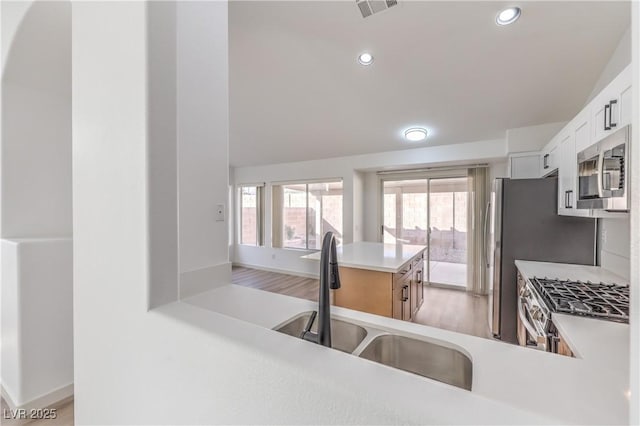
220 213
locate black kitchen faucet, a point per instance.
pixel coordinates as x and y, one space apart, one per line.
329 278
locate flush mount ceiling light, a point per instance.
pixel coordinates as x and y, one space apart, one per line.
365 58
415 134
508 16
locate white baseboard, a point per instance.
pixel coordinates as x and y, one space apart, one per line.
201 280
52 399
276 270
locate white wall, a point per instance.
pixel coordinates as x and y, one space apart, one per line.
634 406
154 367
203 118
11 13
36 121
531 138
35 203
615 245
354 170
620 58
37 324
110 209
163 153
370 205
358 206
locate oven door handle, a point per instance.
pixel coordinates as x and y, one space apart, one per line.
540 339
600 175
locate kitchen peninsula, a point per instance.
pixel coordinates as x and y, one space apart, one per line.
378 278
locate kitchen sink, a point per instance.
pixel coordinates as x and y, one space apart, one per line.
427 359
345 336
423 358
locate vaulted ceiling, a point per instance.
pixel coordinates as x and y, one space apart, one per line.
297 91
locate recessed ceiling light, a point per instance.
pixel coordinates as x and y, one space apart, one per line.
365 58
508 16
415 134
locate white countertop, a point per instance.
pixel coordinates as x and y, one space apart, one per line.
511 384
564 271
601 347
374 256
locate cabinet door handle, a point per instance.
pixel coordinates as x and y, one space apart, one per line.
405 293
611 104
570 199
607 108
545 160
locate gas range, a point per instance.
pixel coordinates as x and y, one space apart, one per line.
540 298
597 300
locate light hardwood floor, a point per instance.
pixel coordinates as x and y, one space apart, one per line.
291 285
449 309
455 310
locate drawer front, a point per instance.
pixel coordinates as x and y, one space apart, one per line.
402 277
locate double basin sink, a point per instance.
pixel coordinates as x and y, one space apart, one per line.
427 359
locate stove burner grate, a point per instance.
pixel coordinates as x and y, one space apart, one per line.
606 301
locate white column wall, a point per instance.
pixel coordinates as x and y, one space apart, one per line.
202 129
35 203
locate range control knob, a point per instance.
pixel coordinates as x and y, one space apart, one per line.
524 292
536 313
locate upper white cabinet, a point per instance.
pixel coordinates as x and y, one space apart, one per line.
577 130
611 109
524 165
607 112
550 157
582 126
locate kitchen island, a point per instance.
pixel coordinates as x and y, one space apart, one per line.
378 278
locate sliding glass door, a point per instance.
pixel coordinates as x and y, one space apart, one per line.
448 231
432 212
405 211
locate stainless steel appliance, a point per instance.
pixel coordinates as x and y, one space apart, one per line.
534 318
540 298
603 173
525 225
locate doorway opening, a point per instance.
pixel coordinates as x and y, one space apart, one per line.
431 212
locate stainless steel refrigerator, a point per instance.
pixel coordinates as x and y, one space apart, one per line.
525 225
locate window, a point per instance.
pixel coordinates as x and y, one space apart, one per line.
250 217
304 212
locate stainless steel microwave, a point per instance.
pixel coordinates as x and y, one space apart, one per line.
603 173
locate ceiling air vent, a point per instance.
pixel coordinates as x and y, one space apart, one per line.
369 7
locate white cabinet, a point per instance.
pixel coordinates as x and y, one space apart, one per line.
611 109
525 165
566 186
549 158
583 128
578 129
